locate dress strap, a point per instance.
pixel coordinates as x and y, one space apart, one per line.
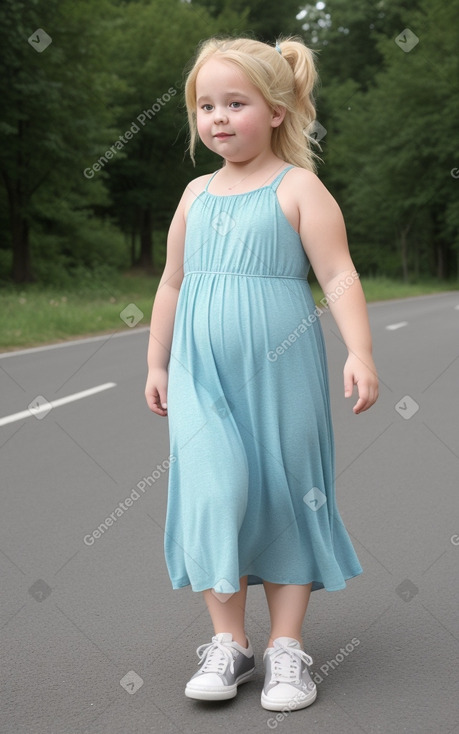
279 178
210 179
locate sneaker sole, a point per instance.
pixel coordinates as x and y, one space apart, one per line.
289 703
218 694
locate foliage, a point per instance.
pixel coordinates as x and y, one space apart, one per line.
149 50
79 194
55 106
390 122
265 20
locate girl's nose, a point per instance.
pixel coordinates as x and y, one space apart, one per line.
220 115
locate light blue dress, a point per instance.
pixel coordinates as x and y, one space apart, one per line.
251 490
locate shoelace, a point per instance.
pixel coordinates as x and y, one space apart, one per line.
287 664
215 656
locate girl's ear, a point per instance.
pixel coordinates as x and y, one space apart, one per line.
278 114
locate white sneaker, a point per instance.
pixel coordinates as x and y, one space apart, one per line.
287 681
224 665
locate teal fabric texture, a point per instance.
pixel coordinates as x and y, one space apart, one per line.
252 487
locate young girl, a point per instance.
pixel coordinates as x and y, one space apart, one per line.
237 362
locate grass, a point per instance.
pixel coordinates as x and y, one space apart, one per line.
34 315
385 289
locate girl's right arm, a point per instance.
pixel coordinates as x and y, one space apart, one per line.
163 313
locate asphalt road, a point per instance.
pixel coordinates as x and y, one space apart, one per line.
93 638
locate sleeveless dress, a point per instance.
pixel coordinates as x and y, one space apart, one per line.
251 479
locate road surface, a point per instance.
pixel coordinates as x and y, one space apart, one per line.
93 638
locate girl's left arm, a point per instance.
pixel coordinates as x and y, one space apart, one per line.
323 234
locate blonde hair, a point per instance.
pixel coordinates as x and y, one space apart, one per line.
285 78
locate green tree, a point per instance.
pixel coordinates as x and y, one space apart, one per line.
150 49
346 36
54 101
394 148
264 20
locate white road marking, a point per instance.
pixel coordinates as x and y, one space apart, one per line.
45 406
394 327
74 342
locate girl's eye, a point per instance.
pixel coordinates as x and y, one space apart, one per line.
236 105
207 107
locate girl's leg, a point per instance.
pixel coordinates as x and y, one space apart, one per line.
228 612
287 608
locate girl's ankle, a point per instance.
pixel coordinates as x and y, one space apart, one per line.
241 640
292 637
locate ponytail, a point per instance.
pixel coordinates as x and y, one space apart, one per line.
293 139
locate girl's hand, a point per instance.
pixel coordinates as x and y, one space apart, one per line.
361 372
156 391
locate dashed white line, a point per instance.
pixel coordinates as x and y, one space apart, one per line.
41 405
394 327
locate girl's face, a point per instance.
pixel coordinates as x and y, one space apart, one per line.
233 118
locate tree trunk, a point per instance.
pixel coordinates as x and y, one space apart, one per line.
133 242
19 226
404 252
440 261
22 272
146 240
